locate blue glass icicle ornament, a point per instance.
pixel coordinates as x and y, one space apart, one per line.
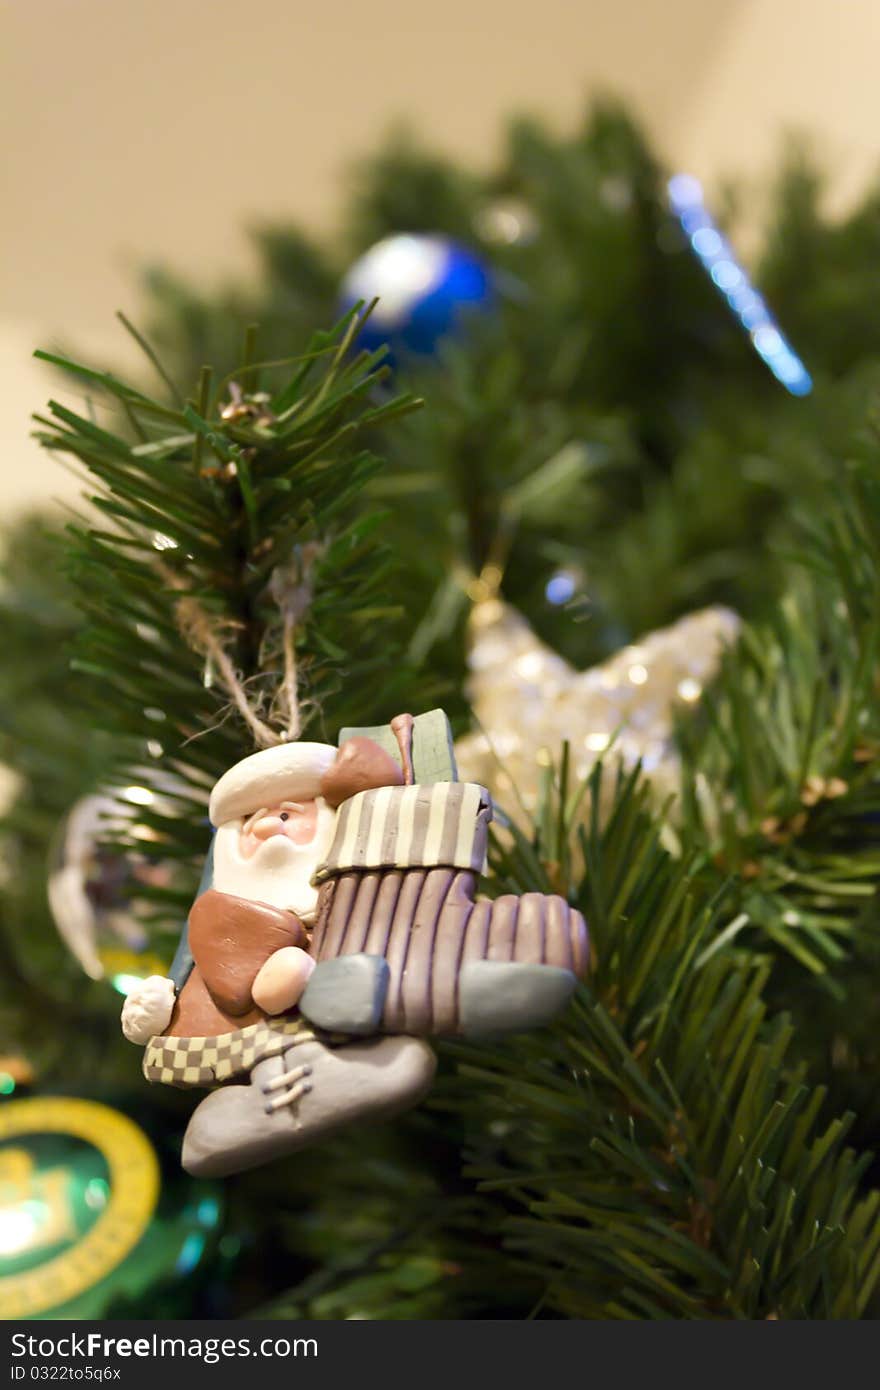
425 286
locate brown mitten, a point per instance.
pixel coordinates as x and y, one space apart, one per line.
231 938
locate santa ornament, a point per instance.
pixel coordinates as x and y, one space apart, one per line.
335 931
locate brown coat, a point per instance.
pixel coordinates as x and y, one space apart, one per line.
230 939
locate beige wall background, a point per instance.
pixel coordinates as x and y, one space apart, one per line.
157 129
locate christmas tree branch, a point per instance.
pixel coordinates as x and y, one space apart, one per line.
234 554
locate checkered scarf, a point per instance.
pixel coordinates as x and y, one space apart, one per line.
208 1061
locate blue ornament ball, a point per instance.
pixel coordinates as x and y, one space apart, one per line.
425 286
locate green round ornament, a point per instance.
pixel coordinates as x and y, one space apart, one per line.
82 1227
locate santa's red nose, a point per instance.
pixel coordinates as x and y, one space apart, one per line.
268 825
298 824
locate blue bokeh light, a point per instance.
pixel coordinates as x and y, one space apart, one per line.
425 287
190 1253
713 250
560 588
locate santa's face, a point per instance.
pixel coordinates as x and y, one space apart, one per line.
271 854
295 820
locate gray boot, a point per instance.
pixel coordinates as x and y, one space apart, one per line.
302 1096
496 997
346 994
500 996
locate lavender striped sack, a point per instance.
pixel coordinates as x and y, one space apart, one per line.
400 881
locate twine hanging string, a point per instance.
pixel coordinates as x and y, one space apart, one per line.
292 589
291 678
201 633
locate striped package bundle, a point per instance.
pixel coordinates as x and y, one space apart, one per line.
400 882
411 827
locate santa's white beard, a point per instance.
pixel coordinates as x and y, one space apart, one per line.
279 872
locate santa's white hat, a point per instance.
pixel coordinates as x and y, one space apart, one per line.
288 772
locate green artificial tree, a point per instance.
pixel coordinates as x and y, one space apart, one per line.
676 1146
609 337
